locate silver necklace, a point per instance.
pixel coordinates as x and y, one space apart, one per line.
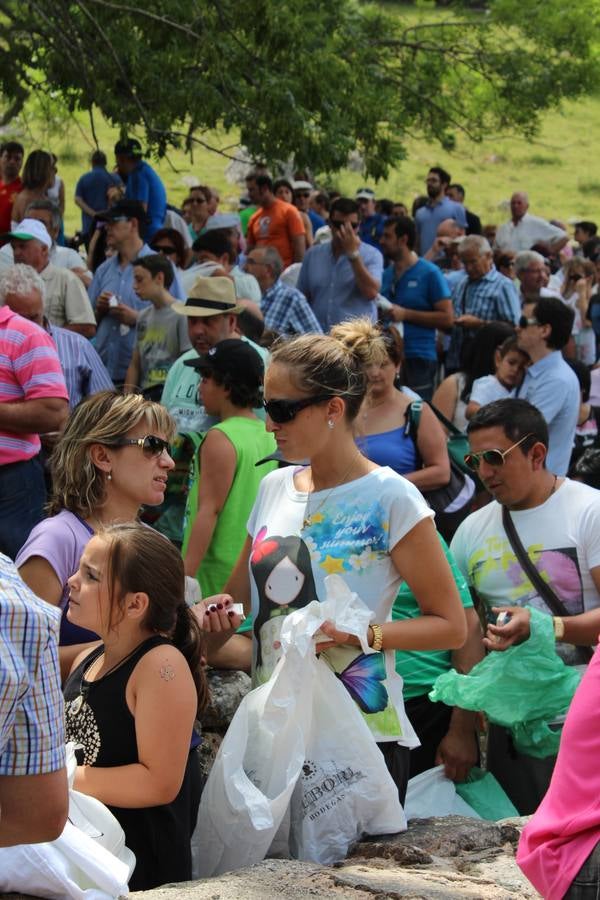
309 517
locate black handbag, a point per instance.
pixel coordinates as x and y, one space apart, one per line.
542 587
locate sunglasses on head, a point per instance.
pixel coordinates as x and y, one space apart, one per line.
337 223
151 445
280 411
524 322
491 457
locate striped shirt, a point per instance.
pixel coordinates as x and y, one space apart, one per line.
84 371
29 370
32 740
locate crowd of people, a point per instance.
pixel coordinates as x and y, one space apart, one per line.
233 405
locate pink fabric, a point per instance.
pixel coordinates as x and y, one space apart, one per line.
566 827
29 370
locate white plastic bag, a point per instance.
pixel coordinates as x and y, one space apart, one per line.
432 794
89 861
302 711
345 789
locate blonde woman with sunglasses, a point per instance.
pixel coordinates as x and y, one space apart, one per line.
112 458
334 511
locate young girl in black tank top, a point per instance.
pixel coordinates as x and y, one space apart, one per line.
132 702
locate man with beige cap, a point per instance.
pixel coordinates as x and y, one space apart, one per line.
211 309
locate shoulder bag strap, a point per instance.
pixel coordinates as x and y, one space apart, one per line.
445 422
542 587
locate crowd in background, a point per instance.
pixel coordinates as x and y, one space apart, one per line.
203 407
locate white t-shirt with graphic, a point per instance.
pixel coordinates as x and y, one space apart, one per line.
562 539
352 530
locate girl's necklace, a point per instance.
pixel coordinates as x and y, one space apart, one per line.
84 689
309 517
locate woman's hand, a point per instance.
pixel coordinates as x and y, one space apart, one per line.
215 615
335 637
501 637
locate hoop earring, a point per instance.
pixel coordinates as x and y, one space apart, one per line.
109 477
330 423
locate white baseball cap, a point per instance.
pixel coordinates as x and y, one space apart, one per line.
30 230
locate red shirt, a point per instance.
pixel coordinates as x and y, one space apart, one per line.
7 198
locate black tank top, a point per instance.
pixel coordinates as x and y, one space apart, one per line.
98 718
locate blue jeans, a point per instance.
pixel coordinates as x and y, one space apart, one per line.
22 498
419 374
586 884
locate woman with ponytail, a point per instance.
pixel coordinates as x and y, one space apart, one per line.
335 511
131 702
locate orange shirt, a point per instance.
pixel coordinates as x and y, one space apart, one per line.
276 227
8 193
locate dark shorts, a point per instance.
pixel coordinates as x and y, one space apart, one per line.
397 759
586 884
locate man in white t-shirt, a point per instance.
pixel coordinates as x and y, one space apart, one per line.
524 231
558 522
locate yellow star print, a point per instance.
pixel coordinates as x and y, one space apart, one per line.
332 565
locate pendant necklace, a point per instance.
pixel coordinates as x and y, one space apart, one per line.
84 688
310 516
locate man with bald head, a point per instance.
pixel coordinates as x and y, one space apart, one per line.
525 231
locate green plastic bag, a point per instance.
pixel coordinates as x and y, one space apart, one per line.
523 688
485 795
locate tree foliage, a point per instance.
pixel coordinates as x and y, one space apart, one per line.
315 79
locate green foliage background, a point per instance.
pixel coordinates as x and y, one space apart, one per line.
428 93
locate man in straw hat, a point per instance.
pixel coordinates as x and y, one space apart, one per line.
211 309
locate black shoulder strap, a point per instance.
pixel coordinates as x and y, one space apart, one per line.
542 587
450 426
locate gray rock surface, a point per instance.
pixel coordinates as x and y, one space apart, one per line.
436 859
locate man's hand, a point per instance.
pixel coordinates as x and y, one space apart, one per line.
501 637
102 304
349 238
468 321
458 753
124 314
397 313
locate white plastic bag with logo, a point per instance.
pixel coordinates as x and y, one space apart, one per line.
299 734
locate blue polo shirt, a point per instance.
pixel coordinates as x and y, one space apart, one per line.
316 220
143 184
114 347
330 287
551 385
371 229
427 219
92 188
420 288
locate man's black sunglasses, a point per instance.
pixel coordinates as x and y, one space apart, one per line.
163 249
280 411
151 445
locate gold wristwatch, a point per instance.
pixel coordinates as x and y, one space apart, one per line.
377 637
559 628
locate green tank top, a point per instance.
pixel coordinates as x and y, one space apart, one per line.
251 442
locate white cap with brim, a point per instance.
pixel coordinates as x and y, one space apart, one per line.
302 186
222 220
365 194
210 297
29 230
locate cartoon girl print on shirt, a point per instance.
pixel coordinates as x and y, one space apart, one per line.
282 570
284 580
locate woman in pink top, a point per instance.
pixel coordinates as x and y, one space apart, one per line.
559 851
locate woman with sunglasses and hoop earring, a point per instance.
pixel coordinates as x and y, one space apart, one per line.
112 458
336 512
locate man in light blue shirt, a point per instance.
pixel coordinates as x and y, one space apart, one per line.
341 279
437 208
550 384
114 300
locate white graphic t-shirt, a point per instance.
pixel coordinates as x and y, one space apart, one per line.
562 539
352 530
